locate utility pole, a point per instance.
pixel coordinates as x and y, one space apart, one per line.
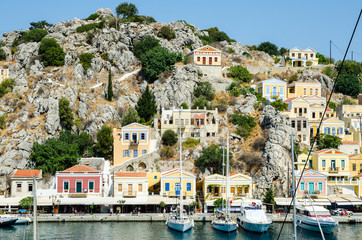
35 234
293 192
330 51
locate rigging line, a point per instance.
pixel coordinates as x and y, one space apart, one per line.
320 123
339 49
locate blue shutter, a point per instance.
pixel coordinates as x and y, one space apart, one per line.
320 186
124 153
302 186
188 186
167 187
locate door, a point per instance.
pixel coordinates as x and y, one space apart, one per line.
210 60
177 189
78 187
333 164
311 187
204 60
130 189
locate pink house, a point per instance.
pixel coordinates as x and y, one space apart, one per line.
313 182
79 181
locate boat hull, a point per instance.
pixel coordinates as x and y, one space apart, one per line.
224 227
181 227
7 222
312 225
253 227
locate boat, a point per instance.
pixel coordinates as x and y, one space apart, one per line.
5 222
222 220
252 217
179 220
20 220
311 217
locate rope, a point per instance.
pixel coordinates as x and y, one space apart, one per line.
320 123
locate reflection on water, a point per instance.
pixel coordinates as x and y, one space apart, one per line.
158 230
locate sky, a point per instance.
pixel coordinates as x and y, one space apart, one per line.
286 23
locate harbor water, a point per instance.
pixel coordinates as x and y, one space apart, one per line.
158 230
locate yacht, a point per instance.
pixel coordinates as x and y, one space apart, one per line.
252 217
310 217
4 222
19 219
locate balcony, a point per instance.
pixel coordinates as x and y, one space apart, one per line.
333 169
78 195
312 192
130 194
134 142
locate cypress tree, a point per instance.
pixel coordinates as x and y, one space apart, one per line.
146 105
110 88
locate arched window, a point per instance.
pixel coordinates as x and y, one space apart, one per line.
327 130
340 130
129 168
333 131
141 166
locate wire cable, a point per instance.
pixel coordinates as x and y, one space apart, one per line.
320 123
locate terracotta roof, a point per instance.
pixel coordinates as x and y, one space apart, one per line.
329 151
130 174
80 168
289 99
176 170
27 173
349 143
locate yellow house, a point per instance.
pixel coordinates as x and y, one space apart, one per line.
352 111
240 185
331 162
299 164
130 184
130 142
154 180
303 57
333 126
303 89
272 89
353 126
170 184
355 164
205 55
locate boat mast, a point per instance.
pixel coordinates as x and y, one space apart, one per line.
181 197
35 235
227 170
223 172
293 192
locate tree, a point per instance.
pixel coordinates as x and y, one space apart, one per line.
239 73
269 196
205 89
322 59
193 205
184 106
201 103
86 59
144 45
279 105
35 35
327 141
3 121
220 202
245 124
211 159
282 51
167 32
40 24
26 203
169 138
162 204
146 106
104 143
110 87
348 84
126 10
269 48
350 67
65 114
332 105
130 117
52 53
6 86
2 54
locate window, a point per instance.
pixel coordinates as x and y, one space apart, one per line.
119 187
18 187
135 153
343 164
302 186
353 167
198 59
140 188
299 125
360 167
274 91
310 163
155 177
91 186
304 91
30 187
311 55
293 124
78 187
215 59
356 151
323 163
126 136
126 153
144 151
268 90
202 121
327 130
295 110
304 138
320 115
293 54
232 190
192 121
316 91
333 131
167 187
134 137
142 136
313 114
320 186
310 91
281 90
304 124
305 110
340 130
66 186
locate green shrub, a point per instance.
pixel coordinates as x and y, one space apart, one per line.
293 78
269 48
221 108
167 32
35 35
190 143
215 36
167 152
246 54
6 86
26 203
93 16
245 124
88 27
239 73
40 24
2 54
350 67
329 71
126 10
144 45
345 101
130 117
3 121
201 102
282 51
205 89
327 141
184 106
169 138
322 59
279 105
85 59
332 105
211 159
139 19
348 85
65 114
52 53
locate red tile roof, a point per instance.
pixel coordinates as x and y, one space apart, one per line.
329 151
176 170
289 99
27 173
130 174
81 168
349 143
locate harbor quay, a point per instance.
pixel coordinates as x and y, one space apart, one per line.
157 217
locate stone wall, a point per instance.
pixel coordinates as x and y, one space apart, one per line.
211 71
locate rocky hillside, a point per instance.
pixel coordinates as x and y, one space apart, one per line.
32 106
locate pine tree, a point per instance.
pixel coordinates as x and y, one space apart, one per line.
146 105
110 88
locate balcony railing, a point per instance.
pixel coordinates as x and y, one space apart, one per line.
333 169
134 142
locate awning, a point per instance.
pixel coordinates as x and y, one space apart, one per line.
337 199
352 199
282 201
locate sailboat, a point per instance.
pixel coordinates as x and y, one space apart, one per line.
222 220
178 219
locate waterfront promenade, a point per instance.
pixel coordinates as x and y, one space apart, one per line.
158 217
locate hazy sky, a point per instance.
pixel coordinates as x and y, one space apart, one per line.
304 23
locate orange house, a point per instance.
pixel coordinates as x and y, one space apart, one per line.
205 55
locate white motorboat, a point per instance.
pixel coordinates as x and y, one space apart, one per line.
20 220
223 222
252 217
309 216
